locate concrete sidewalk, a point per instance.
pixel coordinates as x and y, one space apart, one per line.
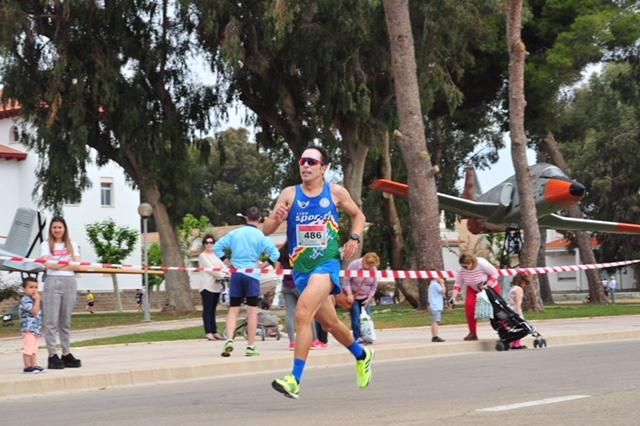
144 363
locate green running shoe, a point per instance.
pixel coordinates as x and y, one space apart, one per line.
228 348
288 386
251 351
363 368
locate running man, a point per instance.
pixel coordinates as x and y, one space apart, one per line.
247 246
311 212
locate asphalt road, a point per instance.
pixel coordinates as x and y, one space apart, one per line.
571 385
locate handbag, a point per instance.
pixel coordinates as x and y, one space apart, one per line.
367 328
484 309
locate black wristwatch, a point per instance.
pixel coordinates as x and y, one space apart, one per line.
355 237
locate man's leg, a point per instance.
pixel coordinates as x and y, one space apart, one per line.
328 317
252 324
314 295
290 301
232 319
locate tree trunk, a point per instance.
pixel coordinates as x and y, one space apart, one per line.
583 239
543 279
354 169
524 177
354 165
423 198
116 291
177 283
393 220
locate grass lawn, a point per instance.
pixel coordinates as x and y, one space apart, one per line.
391 317
83 321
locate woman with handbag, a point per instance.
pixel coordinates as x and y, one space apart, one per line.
211 285
475 274
359 291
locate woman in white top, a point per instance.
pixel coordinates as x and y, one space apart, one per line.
211 285
476 273
60 292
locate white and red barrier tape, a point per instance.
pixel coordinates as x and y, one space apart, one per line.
360 273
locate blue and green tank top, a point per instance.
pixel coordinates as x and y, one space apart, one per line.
313 230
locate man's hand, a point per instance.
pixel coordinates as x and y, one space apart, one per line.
350 249
264 265
366 302
282 212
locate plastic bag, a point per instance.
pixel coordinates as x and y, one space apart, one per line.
367 328
484 309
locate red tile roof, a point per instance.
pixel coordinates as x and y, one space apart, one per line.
564 243
9 108
9 153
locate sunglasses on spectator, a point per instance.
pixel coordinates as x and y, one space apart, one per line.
309 161
209 242
465 266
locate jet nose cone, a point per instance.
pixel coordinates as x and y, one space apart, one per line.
577 190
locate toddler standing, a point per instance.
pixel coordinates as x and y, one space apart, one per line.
31 324
436 291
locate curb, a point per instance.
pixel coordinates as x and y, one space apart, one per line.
51 382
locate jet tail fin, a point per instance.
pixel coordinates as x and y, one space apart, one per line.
471 185
19 237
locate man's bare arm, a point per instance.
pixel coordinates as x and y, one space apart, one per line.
358 220
280 211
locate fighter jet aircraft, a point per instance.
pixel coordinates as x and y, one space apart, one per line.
498 209
20 242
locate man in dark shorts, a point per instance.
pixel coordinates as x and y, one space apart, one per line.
247 246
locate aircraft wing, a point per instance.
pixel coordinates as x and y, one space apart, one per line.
574 224
461 206
11 266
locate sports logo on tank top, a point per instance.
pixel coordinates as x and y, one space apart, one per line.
324 202
303 204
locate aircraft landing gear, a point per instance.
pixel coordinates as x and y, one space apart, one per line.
513 245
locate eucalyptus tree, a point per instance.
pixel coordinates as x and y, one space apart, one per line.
112 76
236 176
524 176
562 38
600 132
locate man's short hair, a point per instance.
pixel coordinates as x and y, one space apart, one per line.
324 154
253 214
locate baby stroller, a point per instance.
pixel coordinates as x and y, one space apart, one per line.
509 325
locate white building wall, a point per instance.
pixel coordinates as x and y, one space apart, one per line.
17 181
577 281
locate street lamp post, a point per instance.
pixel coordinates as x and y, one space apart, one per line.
145 210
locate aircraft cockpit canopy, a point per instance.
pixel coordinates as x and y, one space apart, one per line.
549 171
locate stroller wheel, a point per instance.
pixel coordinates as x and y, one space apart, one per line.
543 343
501 346
536 343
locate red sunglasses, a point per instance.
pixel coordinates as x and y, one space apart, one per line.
309 161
